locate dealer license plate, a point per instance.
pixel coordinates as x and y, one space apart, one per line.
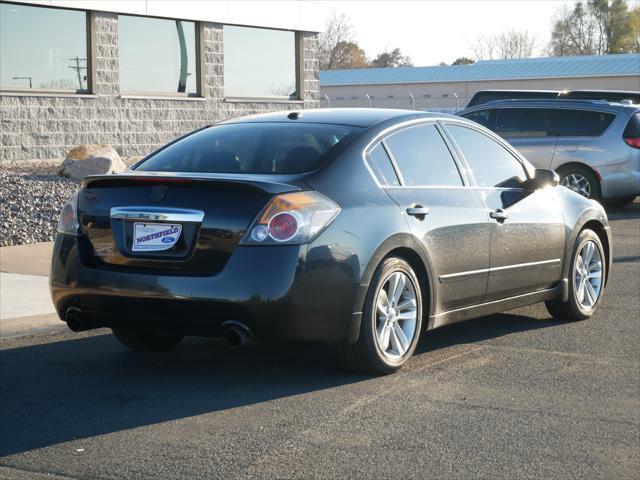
155 237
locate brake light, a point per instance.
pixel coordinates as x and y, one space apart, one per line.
292 218
633 141
68 222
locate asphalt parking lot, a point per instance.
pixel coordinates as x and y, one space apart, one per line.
506 396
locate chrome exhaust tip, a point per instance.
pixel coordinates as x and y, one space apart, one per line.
237 334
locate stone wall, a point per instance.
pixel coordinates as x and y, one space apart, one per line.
44 127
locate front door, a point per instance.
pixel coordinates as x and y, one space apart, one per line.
528 233
443 213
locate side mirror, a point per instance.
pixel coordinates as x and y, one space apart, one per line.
544 178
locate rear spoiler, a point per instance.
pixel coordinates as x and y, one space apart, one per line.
273 184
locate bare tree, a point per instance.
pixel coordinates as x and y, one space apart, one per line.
338 30
504 45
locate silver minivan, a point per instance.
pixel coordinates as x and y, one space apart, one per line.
593 145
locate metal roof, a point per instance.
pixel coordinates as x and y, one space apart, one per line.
550 67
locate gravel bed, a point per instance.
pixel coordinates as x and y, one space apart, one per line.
30 202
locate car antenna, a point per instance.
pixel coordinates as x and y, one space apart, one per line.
294 116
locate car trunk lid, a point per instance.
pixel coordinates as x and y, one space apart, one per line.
170 223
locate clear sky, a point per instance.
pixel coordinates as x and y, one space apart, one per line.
432 31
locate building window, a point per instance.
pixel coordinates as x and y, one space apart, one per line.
260 63
43 49
157 56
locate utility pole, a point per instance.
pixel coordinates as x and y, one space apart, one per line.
326 97
24 78
78 69
413 101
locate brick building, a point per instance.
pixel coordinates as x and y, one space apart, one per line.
137 74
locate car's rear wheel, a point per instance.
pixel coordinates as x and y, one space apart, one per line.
586 280
581 180
391 320
139 341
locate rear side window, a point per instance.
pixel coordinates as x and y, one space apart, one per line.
277 148
524 122
582 123
422 157
482 117
381 165
492 164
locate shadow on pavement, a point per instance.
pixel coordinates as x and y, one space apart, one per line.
57 392
627 212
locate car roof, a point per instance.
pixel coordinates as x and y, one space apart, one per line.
359 117
554 103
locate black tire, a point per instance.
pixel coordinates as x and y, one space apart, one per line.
587 174
619 202
365 356
146 341
573 310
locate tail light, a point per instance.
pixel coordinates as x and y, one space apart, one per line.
633 141
292 218
68 222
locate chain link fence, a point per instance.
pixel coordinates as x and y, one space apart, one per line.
446 103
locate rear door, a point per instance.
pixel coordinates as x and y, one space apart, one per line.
579 134
528 232
443 213
530 131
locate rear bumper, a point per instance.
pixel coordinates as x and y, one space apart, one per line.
620 179
262 287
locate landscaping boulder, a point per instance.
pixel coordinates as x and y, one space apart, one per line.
86 160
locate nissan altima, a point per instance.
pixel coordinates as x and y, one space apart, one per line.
357 227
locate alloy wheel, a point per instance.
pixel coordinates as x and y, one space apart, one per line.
396 315
578 183
588 275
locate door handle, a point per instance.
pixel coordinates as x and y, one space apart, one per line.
499 215
418 211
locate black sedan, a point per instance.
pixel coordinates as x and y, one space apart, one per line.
359 227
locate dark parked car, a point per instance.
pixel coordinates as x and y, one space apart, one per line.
486 96
359 227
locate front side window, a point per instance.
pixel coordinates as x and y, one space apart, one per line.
157 56
278 148
481 116
582 123
492 165
524 122
423 157
43 48
259 63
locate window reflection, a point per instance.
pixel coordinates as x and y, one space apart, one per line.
259 63
156 55
43 48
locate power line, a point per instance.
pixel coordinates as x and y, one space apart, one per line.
78 68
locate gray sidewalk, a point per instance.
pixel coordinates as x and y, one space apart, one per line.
25 304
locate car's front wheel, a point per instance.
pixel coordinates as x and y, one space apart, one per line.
586 280
391 320
139 341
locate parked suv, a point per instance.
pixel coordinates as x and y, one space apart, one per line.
593 145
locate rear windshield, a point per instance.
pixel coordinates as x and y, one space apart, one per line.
276 148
